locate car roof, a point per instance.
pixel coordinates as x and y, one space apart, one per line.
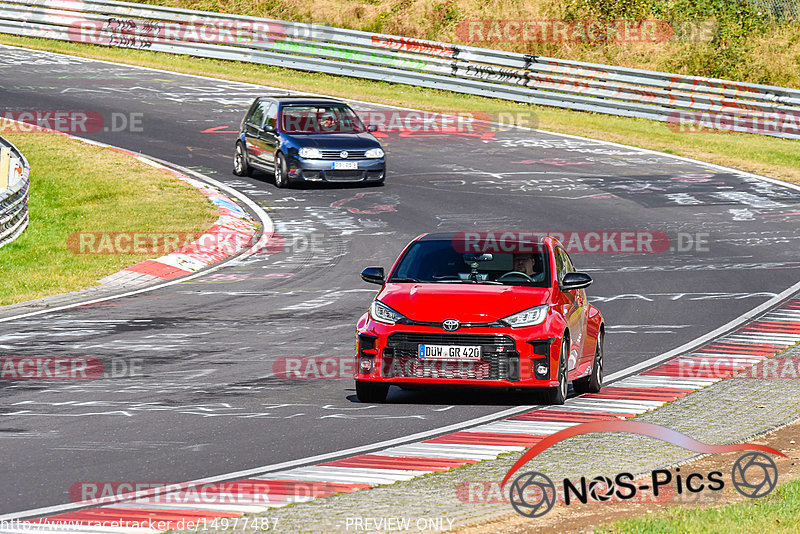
446 236
294 99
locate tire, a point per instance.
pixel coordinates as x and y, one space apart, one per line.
241 167
281 171
371 392
594 382
558 394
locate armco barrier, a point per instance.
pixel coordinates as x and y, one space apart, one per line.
679 99
14 172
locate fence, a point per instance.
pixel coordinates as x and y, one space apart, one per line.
14 171
673 98
780 10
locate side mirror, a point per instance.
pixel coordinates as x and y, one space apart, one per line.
575 281
372 128
268 128
373 275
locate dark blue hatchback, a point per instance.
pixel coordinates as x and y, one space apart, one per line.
307 139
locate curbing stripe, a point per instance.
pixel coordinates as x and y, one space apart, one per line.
189 259
489 438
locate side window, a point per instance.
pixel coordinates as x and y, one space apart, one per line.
563 263
257 118
559 264
272 116
568 263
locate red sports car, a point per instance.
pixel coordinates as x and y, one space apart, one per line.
480 309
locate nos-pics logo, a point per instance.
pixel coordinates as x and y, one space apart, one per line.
533 494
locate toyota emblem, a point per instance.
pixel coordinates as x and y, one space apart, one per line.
343 154
450 324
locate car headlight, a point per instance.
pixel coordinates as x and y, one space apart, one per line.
310 153
374 153
529 317
383 313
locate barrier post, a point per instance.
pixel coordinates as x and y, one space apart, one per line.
5 170
14 172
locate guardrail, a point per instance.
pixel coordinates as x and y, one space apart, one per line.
777 9
14 172
673 98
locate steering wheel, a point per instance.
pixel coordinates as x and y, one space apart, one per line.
514 274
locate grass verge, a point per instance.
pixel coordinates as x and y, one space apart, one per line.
77 187
778 158
775 513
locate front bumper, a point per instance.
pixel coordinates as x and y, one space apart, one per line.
510 358
321 170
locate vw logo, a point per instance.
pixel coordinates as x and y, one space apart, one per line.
343 154
450 324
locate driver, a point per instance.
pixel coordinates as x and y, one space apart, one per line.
525 263
328 122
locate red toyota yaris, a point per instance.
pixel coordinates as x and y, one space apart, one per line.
480 309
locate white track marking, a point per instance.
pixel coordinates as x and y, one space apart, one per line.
357 475
448 450
524 427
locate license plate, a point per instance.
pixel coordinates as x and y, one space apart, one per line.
450 351
345 165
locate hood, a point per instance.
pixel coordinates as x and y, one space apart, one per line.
332 141
466 302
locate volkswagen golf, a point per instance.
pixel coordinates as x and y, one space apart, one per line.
307 139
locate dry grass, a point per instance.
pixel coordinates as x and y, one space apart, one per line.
772 56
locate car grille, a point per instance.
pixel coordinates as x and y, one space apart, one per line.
336 154
499 358
344 175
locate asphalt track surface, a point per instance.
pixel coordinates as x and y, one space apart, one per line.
208 402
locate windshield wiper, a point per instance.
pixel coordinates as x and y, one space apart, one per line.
400 279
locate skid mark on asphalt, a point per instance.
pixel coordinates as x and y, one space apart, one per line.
638 329
133 445
326 299
686 263
369 203
652 297
130 409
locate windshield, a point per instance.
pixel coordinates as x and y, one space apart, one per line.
320 119
443 261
